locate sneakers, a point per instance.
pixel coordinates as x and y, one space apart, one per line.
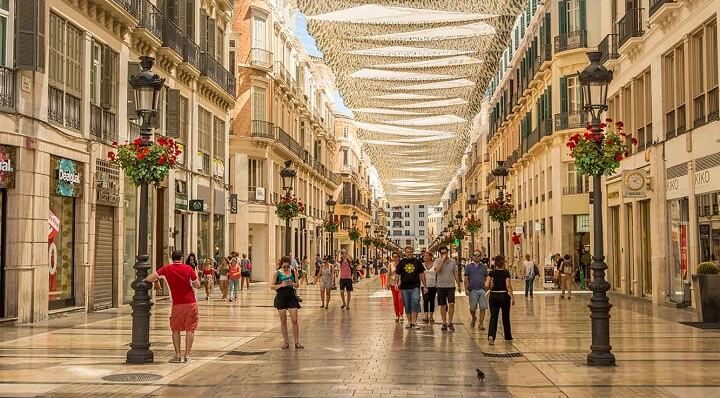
491 340
343 307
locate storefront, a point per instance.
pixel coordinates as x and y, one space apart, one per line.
7 181
182 217
107 188
65 189
203 234
678 207
219 223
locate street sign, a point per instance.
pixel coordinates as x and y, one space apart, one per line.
197 205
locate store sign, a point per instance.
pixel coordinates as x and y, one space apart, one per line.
707 180
197 205
676 187
260 194
107 184
68 177
233 203
7 163
181 201
582 223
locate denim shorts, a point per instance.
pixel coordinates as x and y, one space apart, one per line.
411 300
478 299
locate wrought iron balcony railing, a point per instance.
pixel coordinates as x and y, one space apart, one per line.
7 88
261 129
657 4
570 41
261 57
570 120
211 68
609 48
151 19
630 26
191 52
173 36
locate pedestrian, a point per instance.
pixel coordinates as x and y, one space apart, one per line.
476 278
284 284
383 276
318 264
184 313
326 282
529 268
234 274
223 270
304 270
501 298
412 277
191 260
567 273
346 275
557 262
245 271
208 273
447 275
430 290
395 287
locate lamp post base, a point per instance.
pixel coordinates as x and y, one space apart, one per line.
601 359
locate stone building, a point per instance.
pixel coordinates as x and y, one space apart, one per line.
69 216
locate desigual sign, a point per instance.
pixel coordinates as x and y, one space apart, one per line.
7 172
68 177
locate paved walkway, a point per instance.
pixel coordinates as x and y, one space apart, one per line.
363 353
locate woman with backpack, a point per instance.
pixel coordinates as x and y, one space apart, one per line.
530 274
245 271
286 301
567 274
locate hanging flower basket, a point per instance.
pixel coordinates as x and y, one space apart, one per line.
501 209
367 241
146 163
600 153
473 225
289 208
354 235
459 233
330 226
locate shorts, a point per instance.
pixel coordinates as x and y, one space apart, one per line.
411 300
245 274
478 299
346 285
184 317
223 278
445 295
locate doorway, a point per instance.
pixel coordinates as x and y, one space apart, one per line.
104 272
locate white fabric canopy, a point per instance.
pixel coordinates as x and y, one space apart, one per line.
413 72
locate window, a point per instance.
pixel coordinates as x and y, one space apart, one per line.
643 110
407 206
346 131
407 223
407 232
396 224
255 177
103 92
204 140
259 33
346 157
573 15
421 232
421 206
421 223
407 214
4 8
259 103
422 241
704 76
183 133
673 82
231 57
576 183
219 146
64 72
574 94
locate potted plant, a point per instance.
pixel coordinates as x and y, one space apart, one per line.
473 225
146 162
501 209
706 291
354 235
330 226
599 153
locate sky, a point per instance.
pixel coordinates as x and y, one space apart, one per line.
310 46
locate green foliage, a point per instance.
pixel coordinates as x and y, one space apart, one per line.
707 268
599 153
289 208
146 162
354 234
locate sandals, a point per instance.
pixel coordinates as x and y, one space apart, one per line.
175 360
444 327
285 346
451 327
299 346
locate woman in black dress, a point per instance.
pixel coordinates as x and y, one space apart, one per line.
501 298
286 301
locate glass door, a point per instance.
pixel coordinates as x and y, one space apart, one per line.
2 253
679 278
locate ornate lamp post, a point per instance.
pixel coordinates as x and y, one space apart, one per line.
288 179
472 202
367 250
500 172
595 79
330 203
147 87
459 218
353 227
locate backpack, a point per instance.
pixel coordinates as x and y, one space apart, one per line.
536 270
567 267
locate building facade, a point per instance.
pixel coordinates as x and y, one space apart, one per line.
664 55
68 215
407 225
283 112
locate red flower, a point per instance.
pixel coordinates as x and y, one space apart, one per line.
114 143
575 137
111 155
598 138
161 140
608 120
634 141
162 160
619 125
603 125
619 157
140 156
588 127
608 142
587 136
622 134
137 141
171 141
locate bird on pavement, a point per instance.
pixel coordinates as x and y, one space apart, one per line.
480 375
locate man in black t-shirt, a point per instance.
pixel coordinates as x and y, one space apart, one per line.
412 276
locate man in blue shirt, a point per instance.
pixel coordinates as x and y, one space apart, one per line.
476 277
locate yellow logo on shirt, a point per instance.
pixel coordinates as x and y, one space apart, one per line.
409 268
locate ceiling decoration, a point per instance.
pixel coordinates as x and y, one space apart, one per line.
414 73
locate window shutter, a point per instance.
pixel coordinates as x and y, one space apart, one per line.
190 19
548 103
172 114
30 35
133 69
548 29
105 78
583 24
181 15
562 17
211 37
563 94
203 32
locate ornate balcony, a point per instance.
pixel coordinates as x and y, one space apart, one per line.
191 53
173 38
609 48
576 119
151 20
7 88
261 129
655 5
570 41
261 57
630 26
212 69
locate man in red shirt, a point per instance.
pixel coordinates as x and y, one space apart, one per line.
184 316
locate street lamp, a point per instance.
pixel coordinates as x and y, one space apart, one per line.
500 172
330 203
367 250
472 202
353 227
147 87
594 80
288 179
459 218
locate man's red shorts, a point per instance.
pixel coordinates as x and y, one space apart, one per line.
184 317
